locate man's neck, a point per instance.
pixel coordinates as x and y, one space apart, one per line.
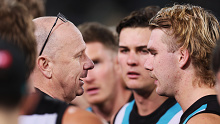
149 102
103 111
187 96
107 109
189 87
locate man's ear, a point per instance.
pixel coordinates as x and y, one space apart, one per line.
44 64
183 57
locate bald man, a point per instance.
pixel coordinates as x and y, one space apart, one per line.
60 65
62 61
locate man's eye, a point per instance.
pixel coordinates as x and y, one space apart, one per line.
144 51
153 54
79 55
95 62
124 51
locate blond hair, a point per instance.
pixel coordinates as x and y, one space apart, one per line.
196 29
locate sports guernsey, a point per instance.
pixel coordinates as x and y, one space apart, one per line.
206 104
131 98
168 113
48 111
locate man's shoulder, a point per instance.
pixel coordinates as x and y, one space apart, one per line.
205 118
47 110
76 115
205 106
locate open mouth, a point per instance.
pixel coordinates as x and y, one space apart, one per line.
82 82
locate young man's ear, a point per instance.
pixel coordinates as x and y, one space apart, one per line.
183 57
44 64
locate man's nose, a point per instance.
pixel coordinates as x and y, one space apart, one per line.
132 59
88 64
148 63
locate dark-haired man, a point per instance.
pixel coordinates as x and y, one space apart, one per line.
148 106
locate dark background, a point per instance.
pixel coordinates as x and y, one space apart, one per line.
110 12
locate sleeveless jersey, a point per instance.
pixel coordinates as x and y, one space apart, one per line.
48 111
168 113
206 104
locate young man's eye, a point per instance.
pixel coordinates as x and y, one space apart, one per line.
153 53
95 62
144 51
124 51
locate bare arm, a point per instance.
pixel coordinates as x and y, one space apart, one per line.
76 115
205 118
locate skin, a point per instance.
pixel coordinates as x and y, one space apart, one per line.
217 86
80 101
70 64
205 118
63 62
75 115
8 115
175 75
162 64
104 90
100 82
132 55
60 67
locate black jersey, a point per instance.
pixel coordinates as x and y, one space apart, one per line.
168 113
48 111
206 104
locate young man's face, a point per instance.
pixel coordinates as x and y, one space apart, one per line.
162 64
101 82
132 55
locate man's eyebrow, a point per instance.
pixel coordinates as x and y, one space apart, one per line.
123 47
138 47
81 51
141 47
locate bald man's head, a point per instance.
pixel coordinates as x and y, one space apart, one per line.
43 26
63 60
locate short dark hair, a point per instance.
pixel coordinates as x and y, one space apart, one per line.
138 18
94 31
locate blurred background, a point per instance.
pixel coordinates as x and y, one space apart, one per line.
110 12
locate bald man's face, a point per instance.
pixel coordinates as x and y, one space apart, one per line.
70 63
